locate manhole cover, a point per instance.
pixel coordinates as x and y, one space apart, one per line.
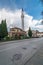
24 48
16 57
34 48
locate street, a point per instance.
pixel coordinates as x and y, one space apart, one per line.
37 59
22 52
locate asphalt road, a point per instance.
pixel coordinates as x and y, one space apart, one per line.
37 58
20 52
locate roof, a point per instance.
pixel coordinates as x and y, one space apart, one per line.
18 28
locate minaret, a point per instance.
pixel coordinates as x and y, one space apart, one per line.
22 19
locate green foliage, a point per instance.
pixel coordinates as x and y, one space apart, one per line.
3 29
27 38
22 36
0 32
16 37
7 38
30 32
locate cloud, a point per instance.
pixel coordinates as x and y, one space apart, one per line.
13 19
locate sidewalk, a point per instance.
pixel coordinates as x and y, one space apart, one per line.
13 41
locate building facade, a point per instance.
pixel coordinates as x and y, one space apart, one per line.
40 34
16 31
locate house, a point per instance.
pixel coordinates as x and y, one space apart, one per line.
34 33
40 34
16 31
37 33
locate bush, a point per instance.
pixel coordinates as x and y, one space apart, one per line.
6 38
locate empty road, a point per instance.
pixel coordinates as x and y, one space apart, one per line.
20 52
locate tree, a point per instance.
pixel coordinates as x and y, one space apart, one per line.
30 32
0 32
4 28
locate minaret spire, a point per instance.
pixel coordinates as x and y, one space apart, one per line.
22 19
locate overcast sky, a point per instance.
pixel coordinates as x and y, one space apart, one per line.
11 11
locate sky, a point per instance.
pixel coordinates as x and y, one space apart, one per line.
32 7
11 11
